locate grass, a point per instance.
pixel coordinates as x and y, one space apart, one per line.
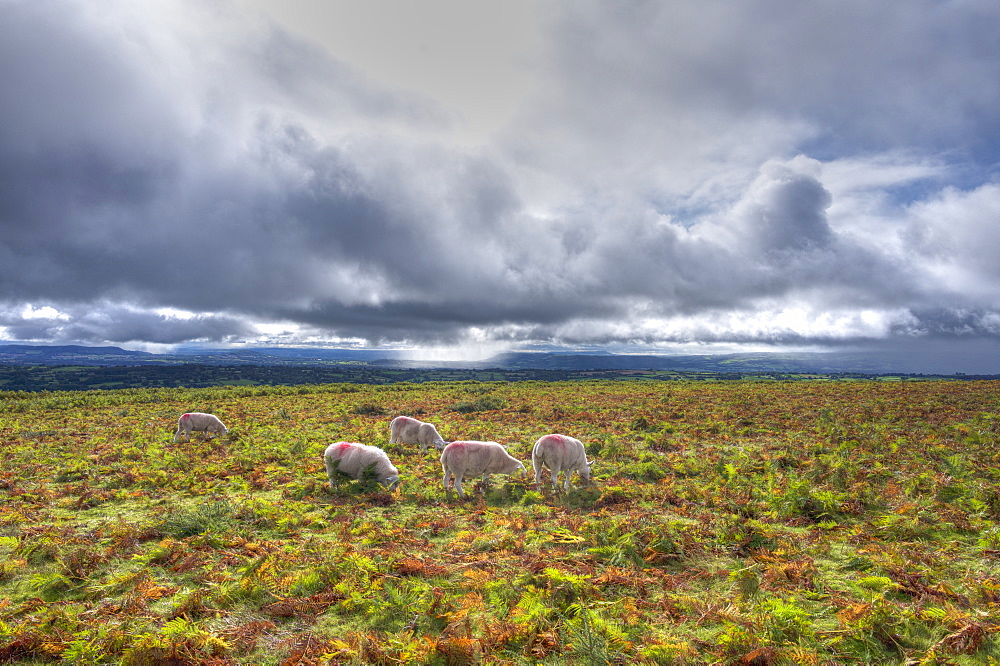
730 522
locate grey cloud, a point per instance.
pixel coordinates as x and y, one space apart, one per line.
110 322
130 328
950 322
268 182
131 202
790 214
867 75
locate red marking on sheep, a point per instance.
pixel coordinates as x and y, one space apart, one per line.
343 446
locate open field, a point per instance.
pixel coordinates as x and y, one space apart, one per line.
79 378
752 522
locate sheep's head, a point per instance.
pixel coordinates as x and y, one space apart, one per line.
515 465
392 481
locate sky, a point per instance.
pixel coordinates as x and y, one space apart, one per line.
458 178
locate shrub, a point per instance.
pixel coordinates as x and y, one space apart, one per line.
369 409
482 404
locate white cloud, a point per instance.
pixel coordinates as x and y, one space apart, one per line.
957 232
44 312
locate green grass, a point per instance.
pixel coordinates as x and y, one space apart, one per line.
811 522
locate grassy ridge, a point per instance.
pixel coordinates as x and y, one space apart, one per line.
736 522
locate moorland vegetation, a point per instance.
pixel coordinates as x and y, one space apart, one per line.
753 522
194 375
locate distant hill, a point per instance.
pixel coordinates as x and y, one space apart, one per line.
744 363
17 354
797 363
75 367
72 355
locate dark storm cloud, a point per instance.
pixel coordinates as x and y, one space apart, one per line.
138 203
656 187
445 322
943 322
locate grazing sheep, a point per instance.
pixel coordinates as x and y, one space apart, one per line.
560 452
461 459
199 422
353 460
411 431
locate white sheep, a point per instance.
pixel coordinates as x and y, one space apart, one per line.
199 422
353 460
560 453
411 431
466 458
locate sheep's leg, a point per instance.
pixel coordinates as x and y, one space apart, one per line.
537 464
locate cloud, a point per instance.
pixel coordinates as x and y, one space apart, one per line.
955 234
728 173
852 75
118 323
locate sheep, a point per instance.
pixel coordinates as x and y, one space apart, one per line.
411 431
353 460
467 458
199 422
560 453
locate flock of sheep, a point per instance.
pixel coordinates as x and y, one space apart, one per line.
460 459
